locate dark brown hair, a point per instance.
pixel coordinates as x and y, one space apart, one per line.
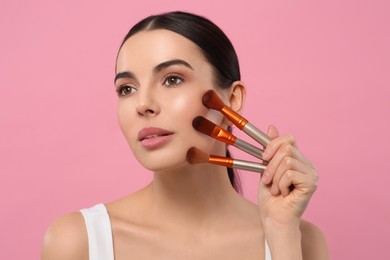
212 42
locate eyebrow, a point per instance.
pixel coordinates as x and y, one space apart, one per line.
125 74
169 63
158 68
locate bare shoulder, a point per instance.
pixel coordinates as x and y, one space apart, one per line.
66 238
314 244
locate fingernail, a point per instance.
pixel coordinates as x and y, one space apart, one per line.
265 177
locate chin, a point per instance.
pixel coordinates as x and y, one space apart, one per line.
163 159
164 165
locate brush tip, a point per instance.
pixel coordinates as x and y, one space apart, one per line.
212 100
197 122
203 125
194 156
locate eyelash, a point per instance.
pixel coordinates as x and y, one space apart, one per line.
175 77
123 88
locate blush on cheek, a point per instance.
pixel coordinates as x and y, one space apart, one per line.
191 106
186 102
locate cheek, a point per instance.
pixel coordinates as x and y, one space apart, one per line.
190 106
125 119
122 116
183 111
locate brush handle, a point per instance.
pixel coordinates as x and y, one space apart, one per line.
251 149
256 134
249 166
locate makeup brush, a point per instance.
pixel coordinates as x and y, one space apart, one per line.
215 131
213 101
195 156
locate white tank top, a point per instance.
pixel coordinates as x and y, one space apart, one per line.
100 245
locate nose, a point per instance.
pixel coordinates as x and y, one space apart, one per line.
147 103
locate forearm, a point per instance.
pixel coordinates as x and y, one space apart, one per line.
284 241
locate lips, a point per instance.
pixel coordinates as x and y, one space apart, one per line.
152 132
152 138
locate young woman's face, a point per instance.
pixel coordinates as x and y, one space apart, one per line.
161 78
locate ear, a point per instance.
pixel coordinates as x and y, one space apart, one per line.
237 94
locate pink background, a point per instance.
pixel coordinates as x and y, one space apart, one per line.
317 69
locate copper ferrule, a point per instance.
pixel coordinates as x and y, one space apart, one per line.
239 164
224 161
222 135
234 117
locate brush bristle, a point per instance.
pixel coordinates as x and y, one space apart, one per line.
194 156
203 125
212 100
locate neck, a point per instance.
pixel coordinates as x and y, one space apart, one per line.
196 192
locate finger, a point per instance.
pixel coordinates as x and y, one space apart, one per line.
289 180
286 149
272 132
274 145
288 163
306 183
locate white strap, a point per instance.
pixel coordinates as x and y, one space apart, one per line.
267 252
99 233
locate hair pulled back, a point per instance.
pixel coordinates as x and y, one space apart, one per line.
212 42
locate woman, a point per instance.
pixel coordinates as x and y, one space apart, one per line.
164 66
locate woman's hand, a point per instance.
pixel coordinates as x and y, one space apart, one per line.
288 182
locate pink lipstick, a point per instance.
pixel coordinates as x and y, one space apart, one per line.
153 137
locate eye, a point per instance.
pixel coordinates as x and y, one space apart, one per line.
125 90
172 80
